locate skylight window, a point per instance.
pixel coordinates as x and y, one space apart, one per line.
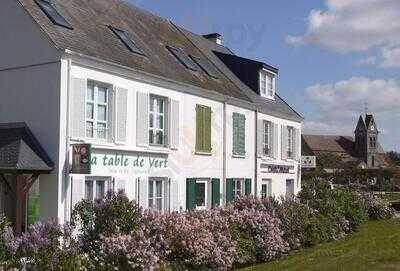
267 84
124 37
205 66
52 13
183 58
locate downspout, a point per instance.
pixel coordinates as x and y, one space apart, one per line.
67 179
256 153
224 155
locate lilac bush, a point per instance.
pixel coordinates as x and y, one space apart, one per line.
376 207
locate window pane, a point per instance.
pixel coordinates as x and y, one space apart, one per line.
160 107
159 138
101 130
102 95
90 93
150 203
159 189
100 189
88 190
89 129
160 122
151 137
152 101
89 111
102 112
151 118
200 194
159 204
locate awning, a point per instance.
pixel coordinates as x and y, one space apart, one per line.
21 152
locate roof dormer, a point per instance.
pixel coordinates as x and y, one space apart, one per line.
260 77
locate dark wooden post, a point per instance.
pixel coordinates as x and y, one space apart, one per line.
19 204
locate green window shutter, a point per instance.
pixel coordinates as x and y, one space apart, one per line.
229 190
247 186
215 195
199 128
207 129
190 194
235 133
242 135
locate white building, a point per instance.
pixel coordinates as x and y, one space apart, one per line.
173 118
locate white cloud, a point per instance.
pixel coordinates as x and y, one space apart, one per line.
391 57
353 25
339 104
370 60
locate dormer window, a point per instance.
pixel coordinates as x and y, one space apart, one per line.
267 84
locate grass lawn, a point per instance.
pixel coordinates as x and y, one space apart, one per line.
376 246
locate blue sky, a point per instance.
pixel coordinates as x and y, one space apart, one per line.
334 56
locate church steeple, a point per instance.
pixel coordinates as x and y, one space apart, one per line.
366 140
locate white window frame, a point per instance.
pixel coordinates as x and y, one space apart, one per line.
155 115
96 104
267 136
239 191
152 195
206 194
268 184
94 181
267 83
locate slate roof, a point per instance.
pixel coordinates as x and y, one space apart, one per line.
278 107
20 151
326 143
92 37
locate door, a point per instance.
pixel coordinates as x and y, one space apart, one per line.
289 188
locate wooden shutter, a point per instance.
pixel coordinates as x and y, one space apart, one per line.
241 136
174 195
247 186
190 194
167 194
78 104
199 128
235 133
207 129
174 132
121 115
119 185
111 116
275 140
78 190
229 190
284 143
144 193
296 144
142 125
216 192
260 138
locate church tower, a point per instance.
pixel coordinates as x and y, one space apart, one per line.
366 140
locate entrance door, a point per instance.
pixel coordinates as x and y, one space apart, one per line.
289 188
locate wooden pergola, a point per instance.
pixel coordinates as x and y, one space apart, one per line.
22 160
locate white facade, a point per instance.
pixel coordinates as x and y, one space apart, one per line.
38 86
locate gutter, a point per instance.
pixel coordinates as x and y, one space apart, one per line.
224 166
256 154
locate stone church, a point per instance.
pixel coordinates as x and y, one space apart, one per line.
338 152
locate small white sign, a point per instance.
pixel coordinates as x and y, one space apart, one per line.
308 161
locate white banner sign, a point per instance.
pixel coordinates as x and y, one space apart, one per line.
308 162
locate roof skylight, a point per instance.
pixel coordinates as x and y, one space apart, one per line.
52 13
205 66
183 58
124 37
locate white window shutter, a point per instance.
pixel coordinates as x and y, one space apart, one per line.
284 142
260 138
119 185
174 131
142 125
121 115
78 103
78 190
111 107
174 195
275 142
296 144
167 187
143 193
